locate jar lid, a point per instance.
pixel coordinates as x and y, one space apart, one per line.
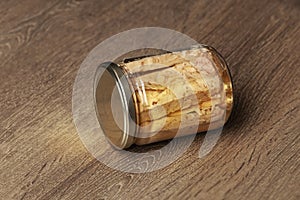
114 105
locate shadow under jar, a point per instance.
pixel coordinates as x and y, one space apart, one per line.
154 98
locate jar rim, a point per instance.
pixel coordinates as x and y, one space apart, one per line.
121 137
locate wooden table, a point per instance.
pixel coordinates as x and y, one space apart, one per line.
43 43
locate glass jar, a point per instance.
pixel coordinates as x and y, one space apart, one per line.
153 98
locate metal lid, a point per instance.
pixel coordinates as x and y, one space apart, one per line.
114 105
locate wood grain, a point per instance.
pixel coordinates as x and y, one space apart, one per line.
42 44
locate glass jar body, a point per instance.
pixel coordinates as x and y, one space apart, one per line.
178 93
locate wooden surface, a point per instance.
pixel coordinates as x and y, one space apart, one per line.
42 44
